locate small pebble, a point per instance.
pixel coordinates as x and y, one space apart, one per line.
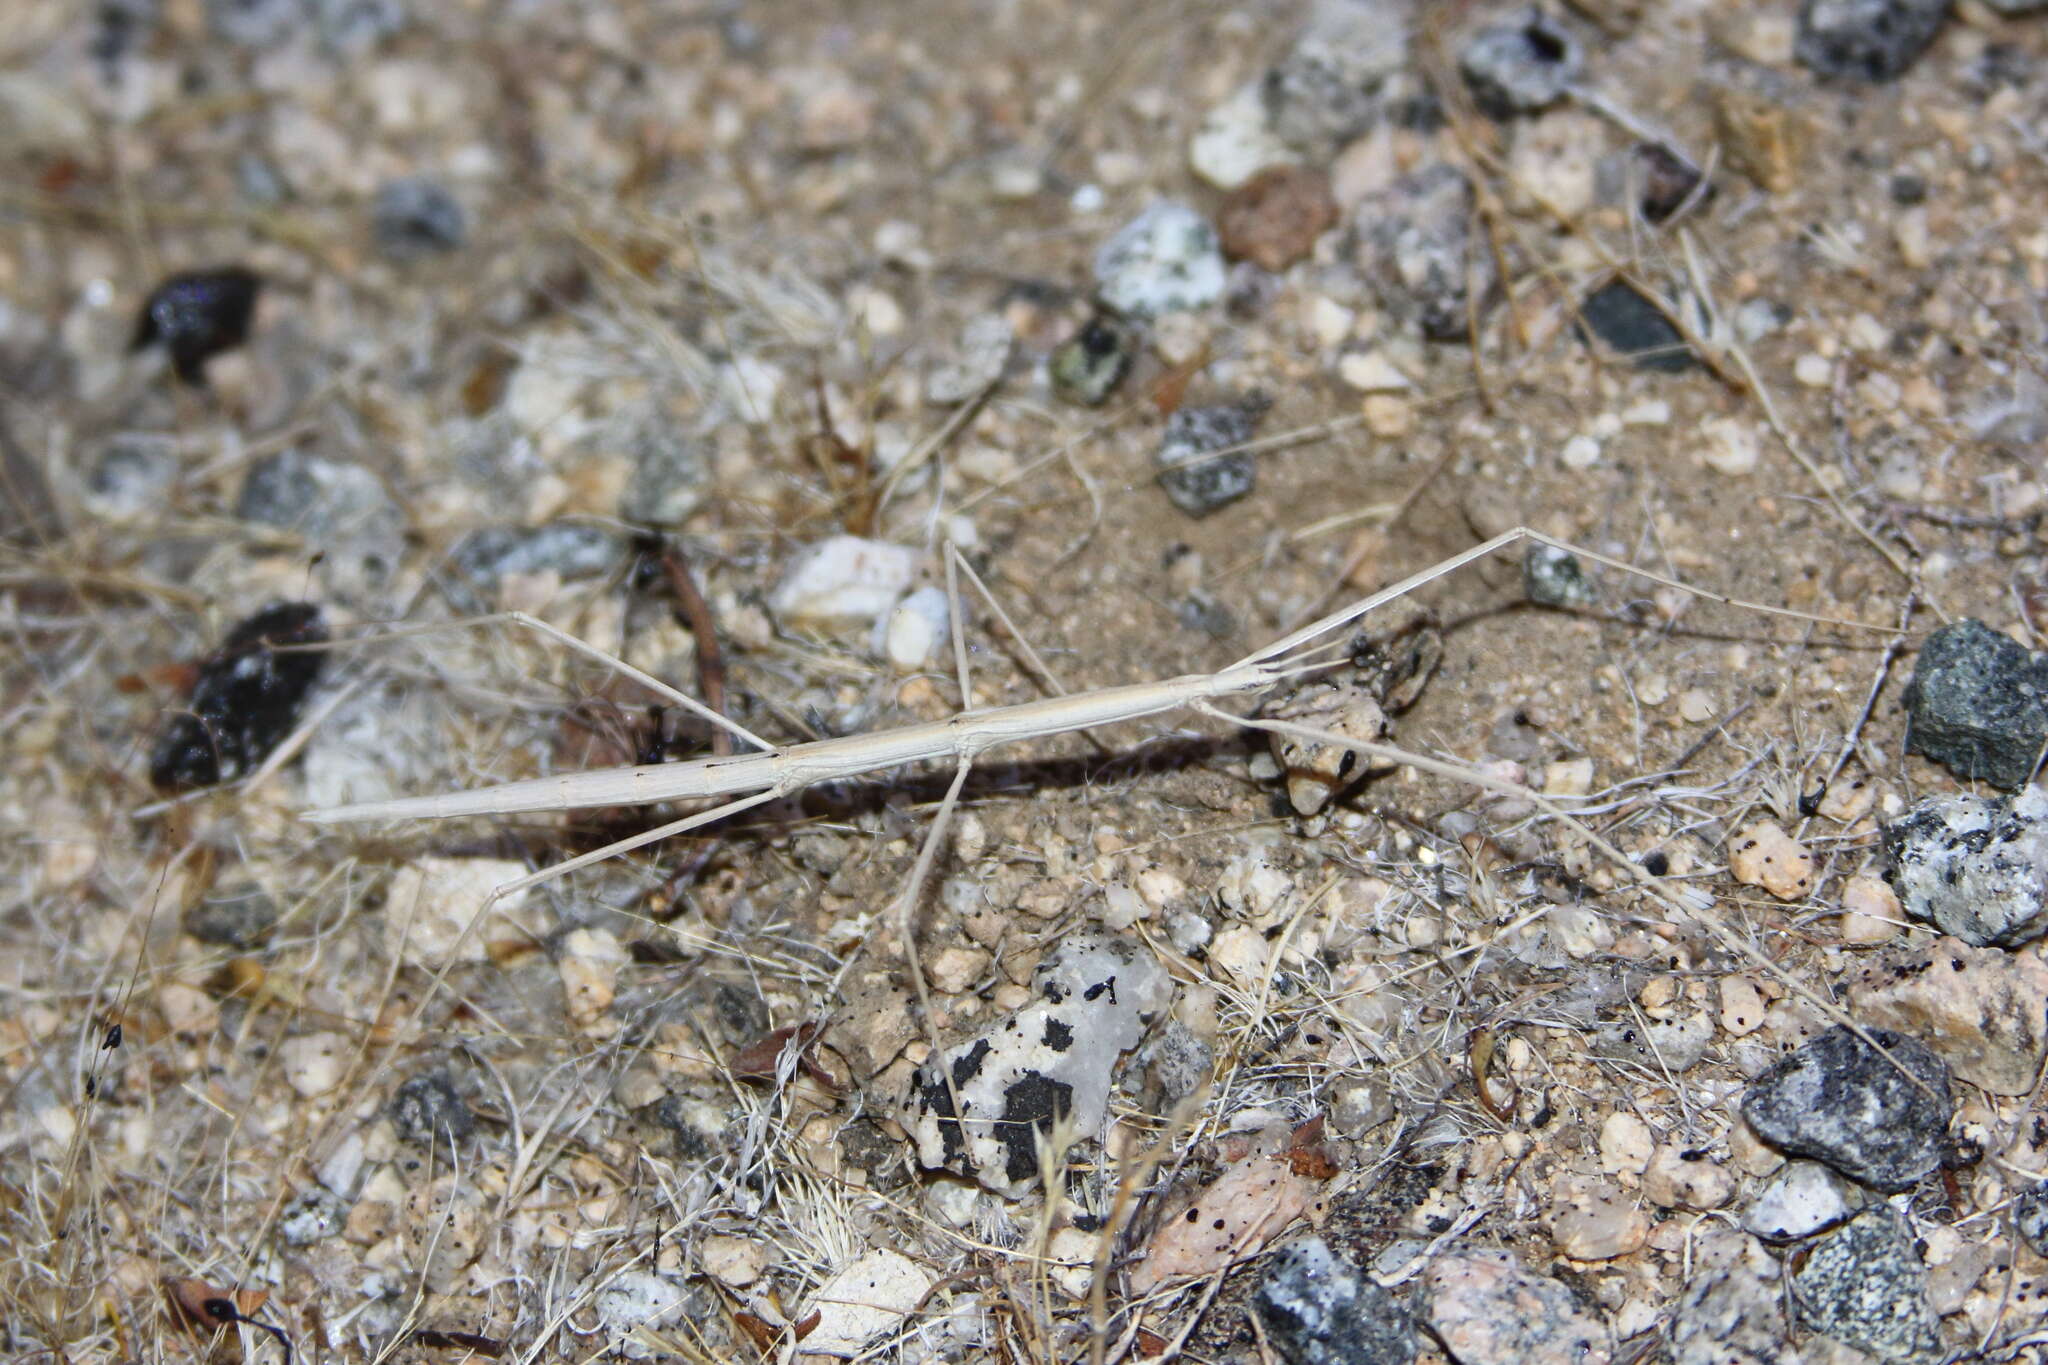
1622 317
1521 66
1416 244
1813 370
1764 855
871 1296
1729 1315
1484 1306
311 1217
977 362
1236 141
1731 447
313 1063
1339 77
1598 1223
843 580
428 1107
1680 1177
1553 577
1866 40
1580 452
1087 367
2032 1214
1983 1010
1273 219
197 315
1976 867
1978 702
1864 1285
1626 1144
1870 911
1166 260
916 629
1839 1101
1319 1309
1798 1200
415 217
734 1261
1197 481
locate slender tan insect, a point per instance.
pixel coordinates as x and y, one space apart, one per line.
774 772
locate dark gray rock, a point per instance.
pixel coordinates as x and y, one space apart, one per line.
1728 1316
1555 578
2033 1218
1416 247
429 1107
237 917
1619 315
484 556
416 216
311 1217
1198 481
1866 40
1841 1101
1977 868
1978 702
1319 1309
1521 66
1864 1286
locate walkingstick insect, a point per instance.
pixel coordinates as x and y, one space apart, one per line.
772 772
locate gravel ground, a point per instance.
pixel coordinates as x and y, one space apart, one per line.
1677 991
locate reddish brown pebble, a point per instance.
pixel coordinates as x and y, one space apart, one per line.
1273 219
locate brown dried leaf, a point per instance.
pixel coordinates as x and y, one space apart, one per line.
760 1059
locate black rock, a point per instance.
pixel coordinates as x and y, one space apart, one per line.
415 217
428 1107
2033 1218
198 314
1977 868
1841 1101
247 699
1521 66
1196 479
1865 1286
1866 40
1637 328
1978 702
1318 1309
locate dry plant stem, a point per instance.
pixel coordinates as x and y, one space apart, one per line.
696 615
